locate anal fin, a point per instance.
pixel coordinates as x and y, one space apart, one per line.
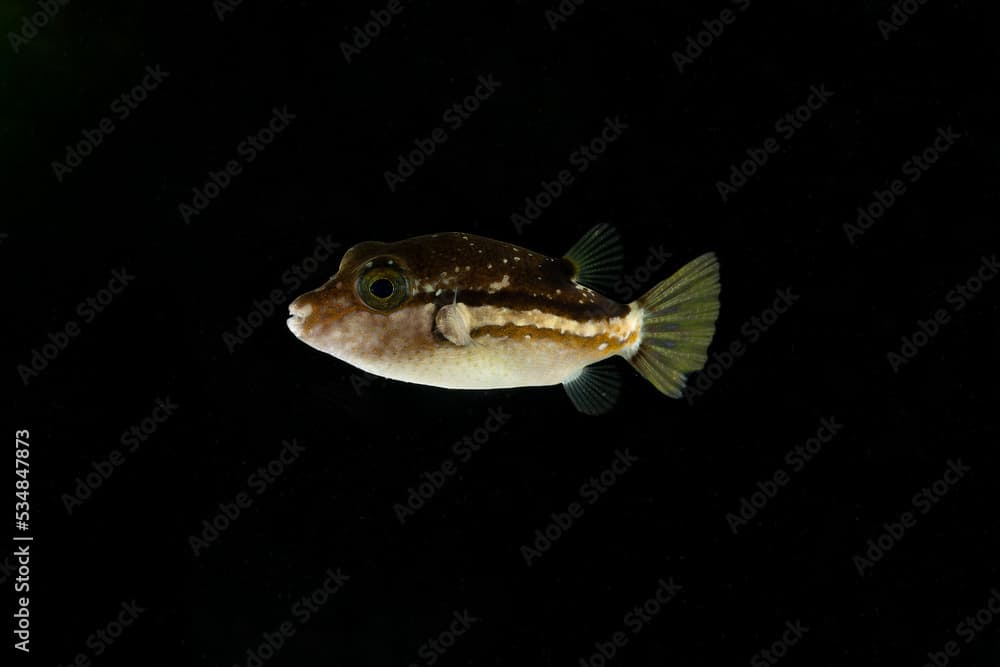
595 390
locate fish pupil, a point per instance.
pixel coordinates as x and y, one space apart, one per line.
381 288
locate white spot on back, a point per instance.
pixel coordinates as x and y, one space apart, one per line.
499 285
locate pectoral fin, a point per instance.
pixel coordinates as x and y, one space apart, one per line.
454 323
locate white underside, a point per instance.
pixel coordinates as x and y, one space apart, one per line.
486 362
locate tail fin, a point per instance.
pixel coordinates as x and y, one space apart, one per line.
678 323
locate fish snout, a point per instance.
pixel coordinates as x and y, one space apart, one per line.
299 311
315 313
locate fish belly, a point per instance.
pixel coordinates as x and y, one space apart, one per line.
491 363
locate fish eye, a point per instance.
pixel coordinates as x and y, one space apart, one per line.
382 287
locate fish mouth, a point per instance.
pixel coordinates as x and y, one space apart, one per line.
298 312
295 324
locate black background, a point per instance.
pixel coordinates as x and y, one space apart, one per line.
365 446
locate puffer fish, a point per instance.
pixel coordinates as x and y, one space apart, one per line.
461 311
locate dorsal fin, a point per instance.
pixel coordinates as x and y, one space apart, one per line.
597 259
